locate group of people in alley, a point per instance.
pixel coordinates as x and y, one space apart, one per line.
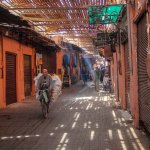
99 75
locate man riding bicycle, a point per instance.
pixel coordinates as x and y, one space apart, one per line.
45 83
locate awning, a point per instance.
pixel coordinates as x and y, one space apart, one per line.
104 14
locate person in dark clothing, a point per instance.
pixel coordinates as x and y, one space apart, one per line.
84 75
102 74
97 77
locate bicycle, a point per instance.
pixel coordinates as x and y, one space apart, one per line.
44 102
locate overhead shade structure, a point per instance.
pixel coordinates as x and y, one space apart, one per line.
104 14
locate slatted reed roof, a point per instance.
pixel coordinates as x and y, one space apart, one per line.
68 18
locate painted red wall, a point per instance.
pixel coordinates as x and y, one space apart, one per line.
13 46
59 62
121 77
134 75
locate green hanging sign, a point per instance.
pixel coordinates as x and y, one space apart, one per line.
104 14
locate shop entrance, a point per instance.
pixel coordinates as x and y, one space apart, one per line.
11 90
27 75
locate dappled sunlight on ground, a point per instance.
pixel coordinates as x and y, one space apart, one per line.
85 121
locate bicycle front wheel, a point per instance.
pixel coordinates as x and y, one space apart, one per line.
44 109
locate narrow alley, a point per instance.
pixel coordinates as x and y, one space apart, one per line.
88 59
81 119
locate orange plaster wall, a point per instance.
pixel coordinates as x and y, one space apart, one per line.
112 73
134 76
10 45
121 77
119 82
1 93
115 77
59 62
1 69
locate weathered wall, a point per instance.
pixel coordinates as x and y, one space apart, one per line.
59 63
12 46
115 77
121 76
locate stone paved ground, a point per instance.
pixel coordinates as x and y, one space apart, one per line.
81 119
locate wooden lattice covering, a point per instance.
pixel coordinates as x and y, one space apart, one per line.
68 18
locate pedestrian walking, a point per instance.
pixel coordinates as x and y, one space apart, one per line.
106 82
97 77
84 75
102 73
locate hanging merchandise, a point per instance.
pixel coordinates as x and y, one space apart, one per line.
71 63
68 71
71 59
75 61
66 60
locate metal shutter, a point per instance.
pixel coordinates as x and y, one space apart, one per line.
11 92
144 90
127 76
27 75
